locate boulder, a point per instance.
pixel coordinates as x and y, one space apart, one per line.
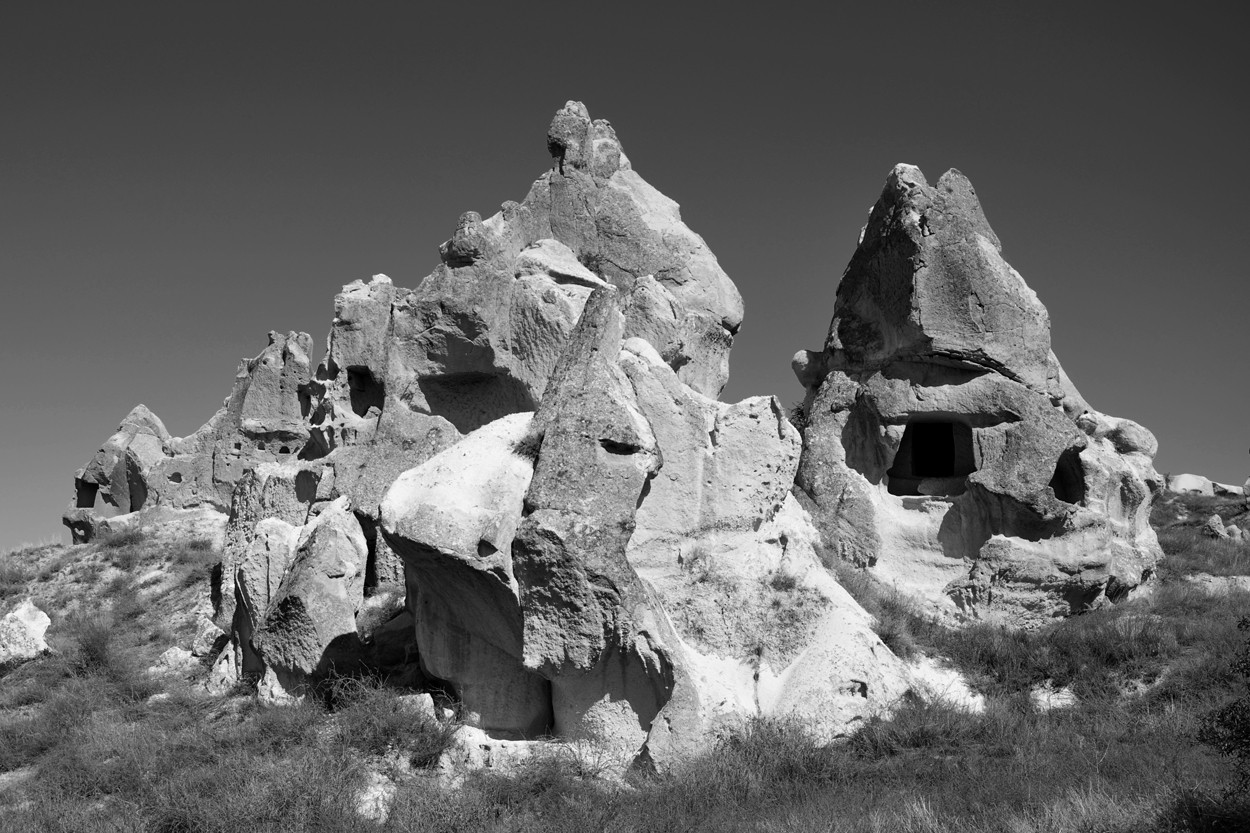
309 627
1214 528
945 449
452 521
1194 484
22 634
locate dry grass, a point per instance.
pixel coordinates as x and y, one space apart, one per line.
1149 674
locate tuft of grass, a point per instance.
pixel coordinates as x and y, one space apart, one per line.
123 538
370 717
1100 654
15 576
529 445
1228 727
783 582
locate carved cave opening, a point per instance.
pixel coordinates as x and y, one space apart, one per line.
367 391
1068 481
85 494
934 457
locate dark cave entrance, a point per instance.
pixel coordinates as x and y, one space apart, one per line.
366 390
85 494
1068 481
934 458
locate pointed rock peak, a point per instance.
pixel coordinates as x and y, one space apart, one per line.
577 143
949 209
142 420
960 199
904 178
928 283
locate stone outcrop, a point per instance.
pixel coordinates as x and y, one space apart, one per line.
514 487
628 565
22 632
405 375
452 521
945 448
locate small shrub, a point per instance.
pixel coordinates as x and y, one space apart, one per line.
1228 728
123 538
375 719
196 562
529 445
783 582
798 416
14 576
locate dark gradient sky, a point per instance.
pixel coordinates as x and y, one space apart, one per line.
178 179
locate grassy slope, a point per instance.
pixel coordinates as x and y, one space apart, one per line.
1125 758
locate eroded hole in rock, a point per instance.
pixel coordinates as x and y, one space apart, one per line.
306 486
934 457
175 477
614 447
370 528
305 401
1068 481
317 446
472 399
85 494
366 390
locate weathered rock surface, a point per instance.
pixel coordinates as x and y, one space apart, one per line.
1190 484
21 634
1214 527
572 572
514 489
945 448
452 521
309 625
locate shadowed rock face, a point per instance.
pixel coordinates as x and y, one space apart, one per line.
630 567
514 484
945 447
488 335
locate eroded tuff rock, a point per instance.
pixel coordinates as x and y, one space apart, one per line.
22 632
945 448
452 520
514 486
649 576
406 373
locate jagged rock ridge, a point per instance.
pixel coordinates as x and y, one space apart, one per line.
514 486
945 446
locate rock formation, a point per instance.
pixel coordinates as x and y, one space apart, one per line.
22 632
945 448
514 486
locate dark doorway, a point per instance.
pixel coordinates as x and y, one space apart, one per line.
932 449
934 457
1068 482
366 390
85 494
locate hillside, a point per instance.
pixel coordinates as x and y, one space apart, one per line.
91 739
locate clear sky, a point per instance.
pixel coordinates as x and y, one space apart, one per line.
178 179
